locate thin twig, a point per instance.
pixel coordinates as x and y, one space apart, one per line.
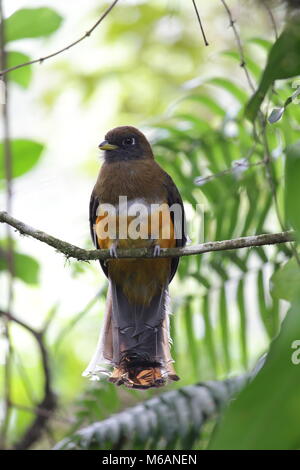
43 412
24 325
69 46
72 251
239 45
200 23
270 13
243 165
267 157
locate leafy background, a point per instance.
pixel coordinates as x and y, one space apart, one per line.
147 66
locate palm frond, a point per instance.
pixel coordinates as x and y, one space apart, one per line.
172 418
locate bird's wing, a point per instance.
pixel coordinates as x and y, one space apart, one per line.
94 203
173 197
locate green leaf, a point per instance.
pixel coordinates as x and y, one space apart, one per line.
263 43
20 76
266 414
264 310
292 187
231 87
209 335
25 155
31 23
266 205
209 102
191 339
283 62
285 282
243 322
251 64
224 327
26 268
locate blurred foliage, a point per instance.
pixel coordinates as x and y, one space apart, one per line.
20 76
26 267
292 172
171 420
283 62
151 48
285 281
247 174
266 413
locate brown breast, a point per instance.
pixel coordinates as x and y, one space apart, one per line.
134 179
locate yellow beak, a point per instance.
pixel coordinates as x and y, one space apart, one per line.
107 146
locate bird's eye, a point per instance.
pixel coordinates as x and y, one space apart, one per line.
129 141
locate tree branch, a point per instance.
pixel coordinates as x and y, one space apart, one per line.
72 251
43 412
69 46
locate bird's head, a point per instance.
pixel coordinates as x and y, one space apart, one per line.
125 143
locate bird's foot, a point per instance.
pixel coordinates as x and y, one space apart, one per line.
139 378
156 250
142 376
113 250
116 376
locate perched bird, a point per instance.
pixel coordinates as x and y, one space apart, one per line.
135 337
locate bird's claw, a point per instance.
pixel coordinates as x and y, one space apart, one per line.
113 251
156 250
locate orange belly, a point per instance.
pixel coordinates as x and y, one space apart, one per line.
140 279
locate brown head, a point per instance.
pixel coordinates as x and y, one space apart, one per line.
125 143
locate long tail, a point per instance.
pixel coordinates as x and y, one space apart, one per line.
135 339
